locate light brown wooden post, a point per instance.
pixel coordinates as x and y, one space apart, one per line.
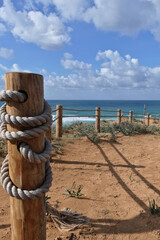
27 216
59 121
130 116
97 124
119 116
148 118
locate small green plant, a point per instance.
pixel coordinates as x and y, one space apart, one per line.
73 192
57 147
155 120
153 207
132 179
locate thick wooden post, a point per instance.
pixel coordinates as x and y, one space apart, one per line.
59 121
148 118
49 134
119 116
130 116
27 216
97 124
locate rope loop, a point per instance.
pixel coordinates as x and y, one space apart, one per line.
12 96
26 121
38 124
33 157
14 191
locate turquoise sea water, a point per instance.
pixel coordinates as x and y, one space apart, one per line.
152 107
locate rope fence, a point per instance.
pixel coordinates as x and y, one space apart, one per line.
107 110
55 110
130 116
79 116
90 110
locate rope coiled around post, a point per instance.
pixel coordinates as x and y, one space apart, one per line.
39 124
12 96
13 191
26 121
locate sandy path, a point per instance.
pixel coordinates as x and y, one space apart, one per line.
118 179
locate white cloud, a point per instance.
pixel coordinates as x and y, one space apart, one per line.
114 72
6 53
46 22
69 10
124 16
4 68
48 32
75 65
14 68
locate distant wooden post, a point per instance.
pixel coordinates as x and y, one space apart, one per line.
59 121
148 118
130 116
119 116
144 110
27 216
97 124
144 113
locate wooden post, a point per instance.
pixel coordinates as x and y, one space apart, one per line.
144 110
148 117
130 116
49 134
27 216
59 121
97 124
119 116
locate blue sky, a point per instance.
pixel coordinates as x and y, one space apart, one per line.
85 49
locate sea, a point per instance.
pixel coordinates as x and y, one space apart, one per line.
137 106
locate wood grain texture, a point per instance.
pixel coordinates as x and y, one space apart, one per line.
119 116
97 123
130 116
59 121
28 216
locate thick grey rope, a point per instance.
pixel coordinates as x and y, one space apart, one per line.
26 134
44 122
12 96
26 121
13 191
35 157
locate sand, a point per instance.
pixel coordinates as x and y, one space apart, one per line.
118 178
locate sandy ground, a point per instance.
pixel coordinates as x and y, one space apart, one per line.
118 179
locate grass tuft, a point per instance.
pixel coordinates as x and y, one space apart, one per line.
73 191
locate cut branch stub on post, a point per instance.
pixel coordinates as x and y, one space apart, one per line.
27 216
130 116
59 121
97 123
119 116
